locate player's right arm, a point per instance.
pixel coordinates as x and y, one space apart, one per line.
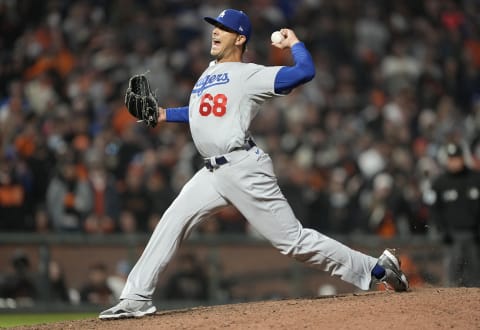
289 77
175 115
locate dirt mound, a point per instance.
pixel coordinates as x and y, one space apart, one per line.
432 308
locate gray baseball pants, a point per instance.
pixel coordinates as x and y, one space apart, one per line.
248 182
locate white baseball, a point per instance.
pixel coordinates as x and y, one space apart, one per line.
277 37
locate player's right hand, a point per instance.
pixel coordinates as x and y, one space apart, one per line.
290 39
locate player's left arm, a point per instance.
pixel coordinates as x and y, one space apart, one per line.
173 115
289 77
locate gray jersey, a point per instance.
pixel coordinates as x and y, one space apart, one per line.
224 101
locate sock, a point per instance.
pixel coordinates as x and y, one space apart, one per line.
378 272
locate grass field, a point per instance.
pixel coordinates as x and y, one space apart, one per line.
16 319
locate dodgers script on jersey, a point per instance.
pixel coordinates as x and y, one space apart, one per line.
224 101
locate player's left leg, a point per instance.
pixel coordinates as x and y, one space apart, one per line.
197 200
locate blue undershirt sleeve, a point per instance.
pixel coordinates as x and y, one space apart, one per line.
289 77
177 115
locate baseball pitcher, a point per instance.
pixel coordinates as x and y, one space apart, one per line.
223 102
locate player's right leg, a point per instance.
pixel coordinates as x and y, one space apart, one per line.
197 200
252 187
387 271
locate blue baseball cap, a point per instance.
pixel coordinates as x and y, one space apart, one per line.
234 20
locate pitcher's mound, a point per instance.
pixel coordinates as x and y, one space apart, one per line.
432 308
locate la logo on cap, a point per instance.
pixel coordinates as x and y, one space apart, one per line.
222 14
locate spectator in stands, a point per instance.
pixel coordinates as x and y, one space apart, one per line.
12 200
96 290
161 195
386 212
41 164
21 283
106 200
135 197
337 217
57 289
41 220
69 197
189 281
127 223
318 203
117 281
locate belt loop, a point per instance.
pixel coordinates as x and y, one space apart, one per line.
213 162
249 144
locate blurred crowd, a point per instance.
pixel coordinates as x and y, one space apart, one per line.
23 284
354 149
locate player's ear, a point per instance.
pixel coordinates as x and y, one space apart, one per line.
241 39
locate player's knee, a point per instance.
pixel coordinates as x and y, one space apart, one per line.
293 249
301 247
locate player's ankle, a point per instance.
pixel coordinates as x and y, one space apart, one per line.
378 272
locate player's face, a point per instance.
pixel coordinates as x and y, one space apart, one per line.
223 44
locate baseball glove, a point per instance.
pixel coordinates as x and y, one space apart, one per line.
141 101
